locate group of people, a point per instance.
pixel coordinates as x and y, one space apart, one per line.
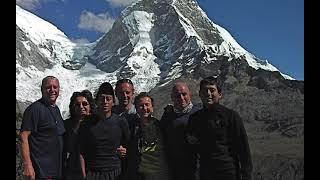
104 141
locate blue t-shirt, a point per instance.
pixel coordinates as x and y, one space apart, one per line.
45 141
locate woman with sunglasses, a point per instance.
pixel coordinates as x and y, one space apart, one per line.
80 107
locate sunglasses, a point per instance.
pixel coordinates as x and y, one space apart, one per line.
84 103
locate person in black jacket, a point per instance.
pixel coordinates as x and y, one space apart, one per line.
81 106
218 134
124 91
101 135
182 162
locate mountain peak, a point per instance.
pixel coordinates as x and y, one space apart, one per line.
167 37
152 43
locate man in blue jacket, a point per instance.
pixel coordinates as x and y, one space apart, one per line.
182 162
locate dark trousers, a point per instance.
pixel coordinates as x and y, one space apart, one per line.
104 175
73 176
218 177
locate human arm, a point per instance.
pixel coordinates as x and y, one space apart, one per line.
192 138
125 134
242 149
28 171
83 166
191 135
168 114
83 138
29 125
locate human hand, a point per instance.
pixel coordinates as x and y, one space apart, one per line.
122 151
28 172
169 108
192 139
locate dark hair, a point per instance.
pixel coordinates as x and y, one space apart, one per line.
85 93
142 95
105 88
45 80
121 81
211 80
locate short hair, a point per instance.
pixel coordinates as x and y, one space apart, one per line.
121 81
86 94
211 80
46 79
105 88
174 87
142 95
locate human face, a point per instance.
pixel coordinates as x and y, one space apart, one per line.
82 106
144 107
50 90
124 93
209 95
105 103
180 96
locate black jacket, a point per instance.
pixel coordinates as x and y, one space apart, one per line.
71 150
219 136
100 137
131 161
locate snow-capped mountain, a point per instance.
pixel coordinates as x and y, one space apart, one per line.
152 42
156 40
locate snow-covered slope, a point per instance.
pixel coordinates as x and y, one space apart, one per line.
53 43
89 77
228 47
55 46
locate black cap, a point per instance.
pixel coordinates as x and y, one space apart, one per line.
106 88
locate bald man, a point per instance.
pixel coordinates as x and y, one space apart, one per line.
174 120
41 134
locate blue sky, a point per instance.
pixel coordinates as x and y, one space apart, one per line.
269 29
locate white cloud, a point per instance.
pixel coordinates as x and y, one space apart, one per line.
28 4
120 3
100 22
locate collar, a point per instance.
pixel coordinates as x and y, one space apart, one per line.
45 102
132 110
118 110
185 110
216 107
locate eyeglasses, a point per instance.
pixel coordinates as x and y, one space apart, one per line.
124 81
104 97
84 103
